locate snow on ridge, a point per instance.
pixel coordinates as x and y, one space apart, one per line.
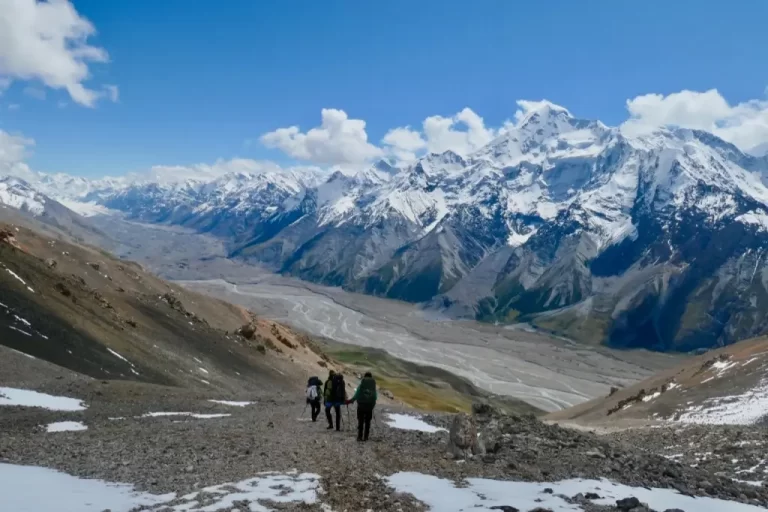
746 408
755 218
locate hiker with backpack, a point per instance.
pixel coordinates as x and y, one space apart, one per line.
314 396
365 396
335 394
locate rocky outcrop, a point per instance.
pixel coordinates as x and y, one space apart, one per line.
463 439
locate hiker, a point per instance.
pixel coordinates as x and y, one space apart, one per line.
314 390
335 395
365 396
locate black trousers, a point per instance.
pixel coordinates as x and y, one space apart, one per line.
364 417
337 408
315 404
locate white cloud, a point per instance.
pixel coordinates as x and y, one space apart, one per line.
462 133
441 133
404 143
14 106
744 124
13 150
338 140
48 41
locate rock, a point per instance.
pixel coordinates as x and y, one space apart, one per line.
614 390
592 496
247 331
484 409
674 510
9 238
505 508
94 266
595 454
387 393
62 289
462 438
189 469
51 263
548 490
627 504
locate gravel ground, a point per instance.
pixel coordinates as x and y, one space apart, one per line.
180 454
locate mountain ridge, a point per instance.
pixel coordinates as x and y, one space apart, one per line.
571 225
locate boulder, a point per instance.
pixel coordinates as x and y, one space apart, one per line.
463 439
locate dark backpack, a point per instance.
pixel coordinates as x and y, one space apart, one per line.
314 381
338 389
366 394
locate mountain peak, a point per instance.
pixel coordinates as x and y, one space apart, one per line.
541 113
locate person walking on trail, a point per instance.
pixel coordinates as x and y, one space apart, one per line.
335 394
314 396
365 396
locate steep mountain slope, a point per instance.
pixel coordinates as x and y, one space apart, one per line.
81 309
727 386
636 240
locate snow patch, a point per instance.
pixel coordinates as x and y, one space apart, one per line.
481 495
21 488
118 355
744 409
27 398
190 414
408 422
230 403
65 426
759 219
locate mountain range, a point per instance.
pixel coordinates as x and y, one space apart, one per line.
653 239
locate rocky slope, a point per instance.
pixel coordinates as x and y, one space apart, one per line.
80 308
727 386
654 240
177 450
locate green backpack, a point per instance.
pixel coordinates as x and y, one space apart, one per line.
367 392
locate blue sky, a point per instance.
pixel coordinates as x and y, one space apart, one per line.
200 81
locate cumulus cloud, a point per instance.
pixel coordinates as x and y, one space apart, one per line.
403 143
744 124
462 133
13 150
338 140
48 42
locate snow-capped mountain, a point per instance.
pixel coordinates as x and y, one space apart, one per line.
653 240
17 193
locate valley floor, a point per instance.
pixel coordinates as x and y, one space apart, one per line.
549 373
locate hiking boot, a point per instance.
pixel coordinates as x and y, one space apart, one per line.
330 427
359 440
